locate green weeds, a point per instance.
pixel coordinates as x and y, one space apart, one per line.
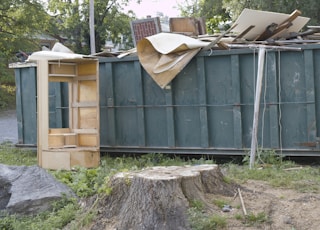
88 183
17 156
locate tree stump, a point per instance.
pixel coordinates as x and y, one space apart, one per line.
158 197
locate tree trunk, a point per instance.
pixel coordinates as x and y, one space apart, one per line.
158 198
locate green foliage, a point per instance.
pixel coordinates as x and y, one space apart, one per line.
62 213
265 157
7 97
197 205
305 179
19 21
219 203
252 219
219 13
216 24
16 156
217 18
72 17
201 221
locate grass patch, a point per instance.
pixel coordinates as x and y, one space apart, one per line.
219 203
62 213
199 220
88 183
17 156
254 220
305 179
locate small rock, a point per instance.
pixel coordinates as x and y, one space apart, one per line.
287 220
226 208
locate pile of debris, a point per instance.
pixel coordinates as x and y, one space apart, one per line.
268 28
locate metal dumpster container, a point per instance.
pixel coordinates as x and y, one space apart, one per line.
26 103
208 107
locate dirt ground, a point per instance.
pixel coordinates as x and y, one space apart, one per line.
284 208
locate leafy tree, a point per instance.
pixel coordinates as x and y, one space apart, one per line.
309 8
212 10
219 12
20 20
71 17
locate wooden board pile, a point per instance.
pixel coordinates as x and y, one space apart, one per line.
254 27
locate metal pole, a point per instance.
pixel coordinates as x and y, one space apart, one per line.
91 27
261 58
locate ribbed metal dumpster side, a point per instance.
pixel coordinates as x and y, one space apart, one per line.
207 109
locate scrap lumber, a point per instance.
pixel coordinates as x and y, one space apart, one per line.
242 203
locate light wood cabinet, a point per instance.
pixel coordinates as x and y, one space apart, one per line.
78 144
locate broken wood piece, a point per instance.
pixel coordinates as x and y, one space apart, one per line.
285 24
213 43
243 33
292 169
242 203
280 29
267 32
293 16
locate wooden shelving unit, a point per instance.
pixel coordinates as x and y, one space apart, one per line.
78 144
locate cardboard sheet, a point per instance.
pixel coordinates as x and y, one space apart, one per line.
262 19
164 55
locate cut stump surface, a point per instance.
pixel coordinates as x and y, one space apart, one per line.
158 197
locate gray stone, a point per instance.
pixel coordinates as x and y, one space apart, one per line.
29 189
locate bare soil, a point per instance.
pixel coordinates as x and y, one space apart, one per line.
284 208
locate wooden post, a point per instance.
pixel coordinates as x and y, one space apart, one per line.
261 58
91 27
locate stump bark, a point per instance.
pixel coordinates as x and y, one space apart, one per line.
158 197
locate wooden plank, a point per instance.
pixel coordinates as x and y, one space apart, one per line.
185 25
87 140
85 131
86 78
87 68
62 69
243 33
87 118
60 79
88 159
262 19
56 160
56 140
87 91
42 108
70 139
59 130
